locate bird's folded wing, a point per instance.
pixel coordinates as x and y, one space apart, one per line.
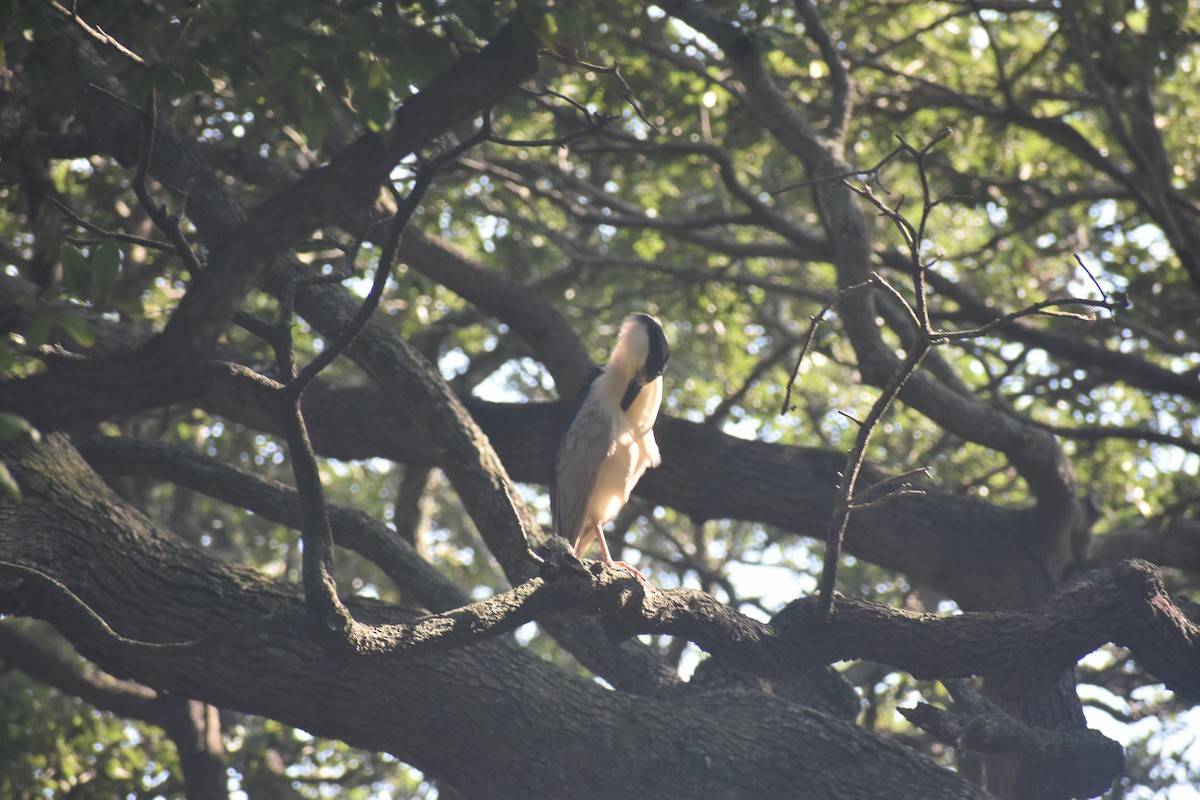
584 447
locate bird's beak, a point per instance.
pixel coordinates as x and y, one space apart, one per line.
631 391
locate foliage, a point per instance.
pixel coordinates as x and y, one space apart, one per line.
1072 136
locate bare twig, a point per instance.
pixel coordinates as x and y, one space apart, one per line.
594 123
387 256
96 32
890 485
168 224
924 338
1079 259
71 217
843 505
627 93
1038 309
812 330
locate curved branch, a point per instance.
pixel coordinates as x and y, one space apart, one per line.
1075 764
277 502
537 322
494 701
126 698
1126 605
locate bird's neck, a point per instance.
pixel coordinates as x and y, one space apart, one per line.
643 411
613 382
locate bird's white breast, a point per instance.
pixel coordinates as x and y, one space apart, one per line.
632 451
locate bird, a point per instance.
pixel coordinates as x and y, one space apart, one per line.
608 442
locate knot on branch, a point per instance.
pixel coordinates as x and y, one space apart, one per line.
805 617
558 560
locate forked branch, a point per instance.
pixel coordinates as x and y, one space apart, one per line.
924 337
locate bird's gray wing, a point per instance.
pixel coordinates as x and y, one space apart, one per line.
581 452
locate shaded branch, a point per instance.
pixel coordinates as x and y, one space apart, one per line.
1126 605
126 698
371 538
476 698
1075 764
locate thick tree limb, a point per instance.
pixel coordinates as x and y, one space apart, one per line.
707 474
1127 605
499 703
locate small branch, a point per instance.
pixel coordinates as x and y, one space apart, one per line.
1034 309
764 366
627 93
166 223
889 488
1120 299
96 32
997 56
871 173
860 505
806 342
843 505
814 26
78 221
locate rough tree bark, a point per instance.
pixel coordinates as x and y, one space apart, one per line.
489 719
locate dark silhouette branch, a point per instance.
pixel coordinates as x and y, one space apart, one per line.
1075 764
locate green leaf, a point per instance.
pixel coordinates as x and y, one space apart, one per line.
9 483
13 427
76 273
376 106
38 332
106 268
79 329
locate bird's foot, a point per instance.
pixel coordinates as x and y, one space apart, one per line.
629 567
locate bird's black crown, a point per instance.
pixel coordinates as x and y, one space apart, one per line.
659 352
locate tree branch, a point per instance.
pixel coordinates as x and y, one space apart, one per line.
493 700
1077 764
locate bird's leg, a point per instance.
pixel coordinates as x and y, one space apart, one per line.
608 559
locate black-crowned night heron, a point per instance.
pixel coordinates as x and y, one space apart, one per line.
609 440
